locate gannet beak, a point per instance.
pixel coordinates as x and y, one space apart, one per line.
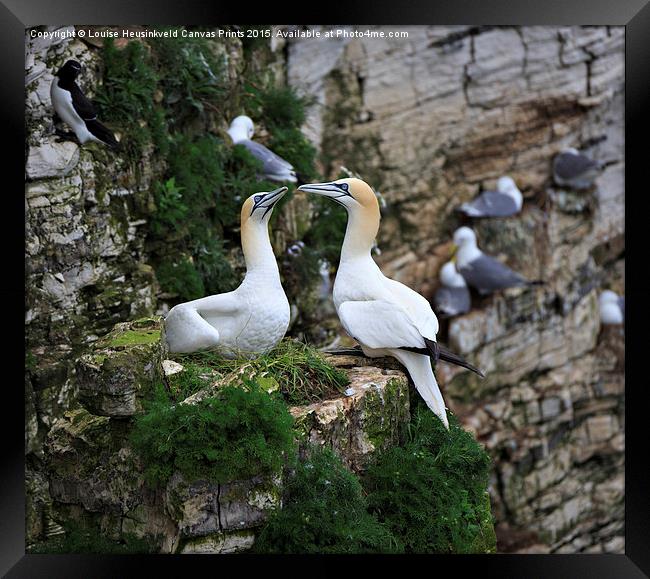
326 189
268 201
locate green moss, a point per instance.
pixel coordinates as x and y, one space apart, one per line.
240 433
299 371
431 492
324 511
385 412
132 338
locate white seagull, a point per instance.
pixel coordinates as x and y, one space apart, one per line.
481 271
612 308
386 317
249 320
72 106
274 168
504 202
452 298
574 169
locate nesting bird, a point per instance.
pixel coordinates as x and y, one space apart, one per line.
574 170
249 320
612 308
452 298
274 168
77 111
386 317
504 202
482 272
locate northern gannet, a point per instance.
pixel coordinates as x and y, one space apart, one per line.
274 168
249 320
386 317
72 106
612 308
482 272
504 202
575 170
452 298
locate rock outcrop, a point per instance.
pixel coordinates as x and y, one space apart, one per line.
431 120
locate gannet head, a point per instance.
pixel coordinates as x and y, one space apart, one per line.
70 70
449 277
241 128
354 194
258 207
608 297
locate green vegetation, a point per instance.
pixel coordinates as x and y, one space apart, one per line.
298 371
78 540
324 511
237 434
431 492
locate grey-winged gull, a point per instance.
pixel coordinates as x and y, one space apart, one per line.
482 272
574 169
504 202
452 297
274 167
612 308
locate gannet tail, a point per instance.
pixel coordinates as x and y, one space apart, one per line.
419 368
448 356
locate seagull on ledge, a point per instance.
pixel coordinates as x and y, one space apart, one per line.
504 202
574 169
452 297
72 107
612 308
274 168
386 317
481 271
253 318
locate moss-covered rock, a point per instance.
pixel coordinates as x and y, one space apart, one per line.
122 368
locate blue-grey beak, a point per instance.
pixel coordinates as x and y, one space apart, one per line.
268 200
332 190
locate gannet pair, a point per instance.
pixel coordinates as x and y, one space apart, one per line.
274 168
507 200
72 106
249 320
386 317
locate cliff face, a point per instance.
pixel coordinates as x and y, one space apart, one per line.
428 122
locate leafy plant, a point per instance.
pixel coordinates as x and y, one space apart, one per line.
239 433
180 278
431 493
324 511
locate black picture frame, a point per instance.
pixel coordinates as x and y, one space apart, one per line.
16 15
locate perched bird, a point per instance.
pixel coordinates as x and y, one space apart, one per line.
452 297
386 317
72 107
575 170
504 202
274 168
249 320
612 308
481 271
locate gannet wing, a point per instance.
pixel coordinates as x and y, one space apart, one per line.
416 306
488 274
490 204
273 164
380 324
227 303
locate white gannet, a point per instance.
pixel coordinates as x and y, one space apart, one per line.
386 317
274 168
72 106
612 308
452 298
481 271
573 169
504 202
249 320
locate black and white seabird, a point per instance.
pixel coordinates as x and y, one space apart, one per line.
77 111
574 169
274 167
504 202
481 271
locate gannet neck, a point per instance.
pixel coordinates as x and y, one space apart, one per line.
362 228
256 245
